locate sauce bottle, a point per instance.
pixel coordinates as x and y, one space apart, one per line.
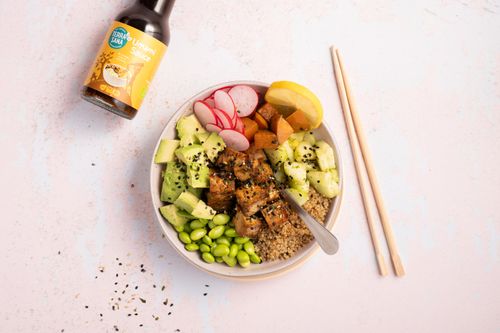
128 58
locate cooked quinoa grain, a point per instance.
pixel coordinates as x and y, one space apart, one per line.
293 235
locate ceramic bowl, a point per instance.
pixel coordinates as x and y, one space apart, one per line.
265 269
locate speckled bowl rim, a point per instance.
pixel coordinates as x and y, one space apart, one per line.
278 267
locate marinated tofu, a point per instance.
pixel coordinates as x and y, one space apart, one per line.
246 226
262 172
221 192
255 154
242 168
227 158
251 198
275 214
267 111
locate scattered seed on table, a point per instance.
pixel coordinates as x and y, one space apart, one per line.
162 288
204 294
86 306
142 300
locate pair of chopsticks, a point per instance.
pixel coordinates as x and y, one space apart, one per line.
360 151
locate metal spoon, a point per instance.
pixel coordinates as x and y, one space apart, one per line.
326 240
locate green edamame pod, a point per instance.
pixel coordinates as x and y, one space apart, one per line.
187 228
184 237
216 232
207 240
255 259
179 228
209 258
248 247
218 259
204 247
221 250
243 258
223 240
241 240
198 234
230 261
221 219
196 224
233 250
231 232
191 247
211 224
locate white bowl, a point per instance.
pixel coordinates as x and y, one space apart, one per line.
266 269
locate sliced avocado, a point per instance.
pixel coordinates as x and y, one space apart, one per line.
185 214
323 183
202 137
213 146
295 139
195 191
324 153
309 137
299 197
203 211
171 214
189 126
304 152
189 140
190 155
187 201
198 177
174 182
166 151
296 172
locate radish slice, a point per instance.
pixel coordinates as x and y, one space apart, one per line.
213 128
225 120
225 103
238 126
234 139
204 113
225 89
245 99
210 102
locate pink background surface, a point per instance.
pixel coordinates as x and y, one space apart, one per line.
426 78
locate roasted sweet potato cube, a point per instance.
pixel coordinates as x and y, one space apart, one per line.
246 226
275 214
267 111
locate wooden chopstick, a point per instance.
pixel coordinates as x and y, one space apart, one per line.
352 118
358 163
384 218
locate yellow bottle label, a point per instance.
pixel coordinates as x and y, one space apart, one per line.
126 64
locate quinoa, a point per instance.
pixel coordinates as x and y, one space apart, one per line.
284 242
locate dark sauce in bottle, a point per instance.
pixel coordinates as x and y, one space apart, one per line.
129 57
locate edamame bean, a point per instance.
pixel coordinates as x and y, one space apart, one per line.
198 234
207 240
223 240
216 232
209 258
231 232
187 228
230 261
221 250
204 247
219 259
203 221
184 237
241 240
233 250
221 219
179 228
240 246
211 224
255 259
191 247
196 224
243 258
248 247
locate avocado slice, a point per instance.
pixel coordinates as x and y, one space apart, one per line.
202 137
187 201
213 146
174 182
198 177
203 211
189 127
166 151
190 155
171 214
324 183
196 191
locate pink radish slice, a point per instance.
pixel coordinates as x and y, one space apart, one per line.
225 103
213 128
245 99
210 102
226 89
239 126
224 118
204 113
234 139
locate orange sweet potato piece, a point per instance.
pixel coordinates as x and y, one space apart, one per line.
251 128
299 121
261 122
267 111
281 127
265 139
